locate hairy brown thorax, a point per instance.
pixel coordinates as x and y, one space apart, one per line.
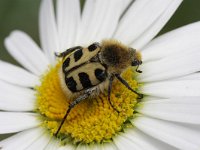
116 56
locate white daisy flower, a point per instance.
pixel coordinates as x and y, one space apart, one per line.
33 104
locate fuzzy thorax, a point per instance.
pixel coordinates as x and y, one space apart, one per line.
116 56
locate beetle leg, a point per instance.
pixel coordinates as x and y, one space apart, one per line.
71 106
128 86
109 91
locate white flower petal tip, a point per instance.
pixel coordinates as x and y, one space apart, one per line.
184 38
182 109
14 122
167 89
48 30
26 52
16 75
143 15
175 135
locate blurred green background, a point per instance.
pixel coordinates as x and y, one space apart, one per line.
23 15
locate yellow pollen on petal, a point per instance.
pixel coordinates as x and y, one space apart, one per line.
93 120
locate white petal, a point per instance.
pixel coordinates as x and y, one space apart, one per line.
145 141
182 109
82 147
173 42
110 21
177 136
16 75
102 146
67 147
40 143
88 12
172 88
194 127
12 103
124 143
109 146
68 18
53 144
14 98
173 66
15 122
6 88
21 140
99 20
148 98
17 141
96 146
193 76
139 18
48 32
151 32
26 52
90 22
134 139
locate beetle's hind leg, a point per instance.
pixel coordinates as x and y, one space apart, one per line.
109 92
72 105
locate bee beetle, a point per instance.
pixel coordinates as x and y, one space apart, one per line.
87 71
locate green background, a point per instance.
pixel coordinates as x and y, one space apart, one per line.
23 15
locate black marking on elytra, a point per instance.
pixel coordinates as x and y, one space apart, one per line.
65 64
100 74
68 51
93 47
85 80
74 68
71 84
78 54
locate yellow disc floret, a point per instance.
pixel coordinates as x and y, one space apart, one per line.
93 120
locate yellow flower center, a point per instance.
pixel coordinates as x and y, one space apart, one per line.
93 120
